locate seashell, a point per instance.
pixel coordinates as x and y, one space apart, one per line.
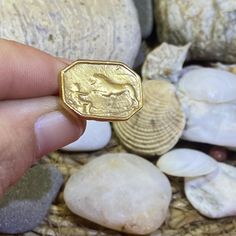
193 84
184 162
209 110
165 62
112 191
157 127
213 195
208 25
75 29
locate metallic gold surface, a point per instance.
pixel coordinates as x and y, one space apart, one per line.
101 90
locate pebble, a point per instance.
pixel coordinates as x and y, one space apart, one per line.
145 15
213 195
85 29
219 153
26 204
120 191
141 55
96 136
208 25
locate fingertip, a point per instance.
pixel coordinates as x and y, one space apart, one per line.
55 130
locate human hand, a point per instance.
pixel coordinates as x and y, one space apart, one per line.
31 123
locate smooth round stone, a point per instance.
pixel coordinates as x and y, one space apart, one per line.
213 195
96 136
26 204
120 191
205 84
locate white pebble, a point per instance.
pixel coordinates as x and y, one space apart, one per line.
96 136
120 191
213 195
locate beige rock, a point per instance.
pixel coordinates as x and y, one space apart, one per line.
75 29
120 191
208 24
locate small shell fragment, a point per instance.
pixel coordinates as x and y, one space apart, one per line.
184 162
213 195
157 127
165 62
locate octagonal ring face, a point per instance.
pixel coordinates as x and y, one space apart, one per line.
101 90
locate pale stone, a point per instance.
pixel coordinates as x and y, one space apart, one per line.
75 29
208 100
120 191
213 195
208 85
96 136
208 24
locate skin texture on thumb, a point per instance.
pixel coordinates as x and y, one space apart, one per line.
32 123
29 129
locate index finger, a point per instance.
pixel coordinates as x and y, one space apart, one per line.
26 72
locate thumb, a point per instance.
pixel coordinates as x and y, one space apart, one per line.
29 129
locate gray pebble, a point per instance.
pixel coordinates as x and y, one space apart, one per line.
145 14
26 204
142 53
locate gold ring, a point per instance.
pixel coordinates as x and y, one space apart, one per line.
100 90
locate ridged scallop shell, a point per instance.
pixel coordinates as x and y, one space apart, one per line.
74 29
157 127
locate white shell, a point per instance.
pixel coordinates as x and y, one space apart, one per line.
96 136
157 127
120 191
208 85
185 162
74 29
165 62
214 195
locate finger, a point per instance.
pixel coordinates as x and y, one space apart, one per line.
30 129
26 72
